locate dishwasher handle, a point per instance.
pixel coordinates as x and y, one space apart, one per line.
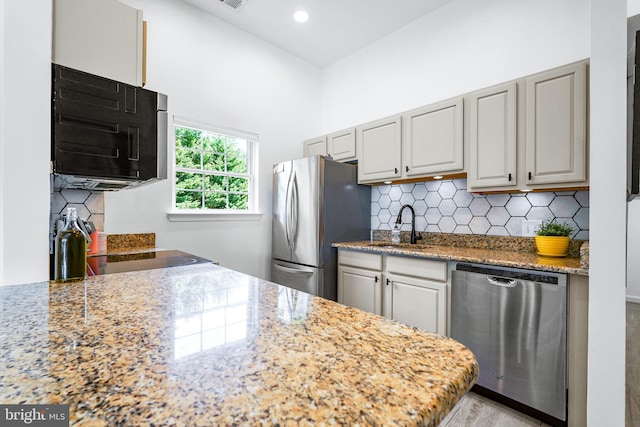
501 281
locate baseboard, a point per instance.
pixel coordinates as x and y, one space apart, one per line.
631 298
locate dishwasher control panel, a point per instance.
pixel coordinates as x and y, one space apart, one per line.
532 276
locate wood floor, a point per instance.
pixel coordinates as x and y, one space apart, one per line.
478 411
633 365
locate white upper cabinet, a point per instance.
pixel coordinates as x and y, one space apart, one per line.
530 134
379 147
433 139
556 105
492 137
526 134
316 146
419 143
101 37
342 145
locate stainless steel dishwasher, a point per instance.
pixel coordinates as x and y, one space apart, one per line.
515 322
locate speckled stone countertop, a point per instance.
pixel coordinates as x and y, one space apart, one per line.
204 345
508 257
129 242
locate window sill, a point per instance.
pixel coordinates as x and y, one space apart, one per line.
204 216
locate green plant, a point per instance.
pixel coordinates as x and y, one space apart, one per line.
551 228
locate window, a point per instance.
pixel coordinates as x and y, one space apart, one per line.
215 168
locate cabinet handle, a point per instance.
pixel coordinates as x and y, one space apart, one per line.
407 168
509 177
376 279
396 169
387 282
529 176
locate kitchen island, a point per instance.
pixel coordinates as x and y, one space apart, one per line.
204 345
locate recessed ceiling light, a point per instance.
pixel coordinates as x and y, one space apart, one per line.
301 16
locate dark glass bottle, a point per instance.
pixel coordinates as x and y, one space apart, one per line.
70 250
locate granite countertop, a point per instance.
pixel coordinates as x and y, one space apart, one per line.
507 257
204 345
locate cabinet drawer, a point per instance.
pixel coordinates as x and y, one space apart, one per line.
424 268
360 259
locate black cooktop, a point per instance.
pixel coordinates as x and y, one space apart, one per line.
120 263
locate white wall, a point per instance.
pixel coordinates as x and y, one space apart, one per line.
463 46
215 73
2 139
25 141
607 263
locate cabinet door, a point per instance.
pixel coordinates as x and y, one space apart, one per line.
418 302
360 288
100 37
433 140
342 145
556 148
379 150
313 147
492 137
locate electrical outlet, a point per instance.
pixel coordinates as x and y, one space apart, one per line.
529 227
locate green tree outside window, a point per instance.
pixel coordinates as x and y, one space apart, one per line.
212 171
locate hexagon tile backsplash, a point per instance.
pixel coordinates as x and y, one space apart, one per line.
88 204
447 207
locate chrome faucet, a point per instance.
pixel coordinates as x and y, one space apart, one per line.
413 222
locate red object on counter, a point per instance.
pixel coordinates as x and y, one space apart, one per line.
93 247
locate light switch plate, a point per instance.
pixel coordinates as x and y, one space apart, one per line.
529 227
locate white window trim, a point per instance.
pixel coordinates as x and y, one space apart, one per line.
205 215
195 215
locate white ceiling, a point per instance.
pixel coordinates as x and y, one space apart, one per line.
335 29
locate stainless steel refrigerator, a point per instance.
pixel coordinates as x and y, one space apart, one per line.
316 202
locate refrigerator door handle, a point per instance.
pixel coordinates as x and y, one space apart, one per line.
293 270
287 211
294 210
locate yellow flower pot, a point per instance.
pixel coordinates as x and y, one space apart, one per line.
552 245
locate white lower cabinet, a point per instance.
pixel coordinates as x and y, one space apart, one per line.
409 290
360 280
360 288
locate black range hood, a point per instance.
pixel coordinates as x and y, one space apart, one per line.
106 135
